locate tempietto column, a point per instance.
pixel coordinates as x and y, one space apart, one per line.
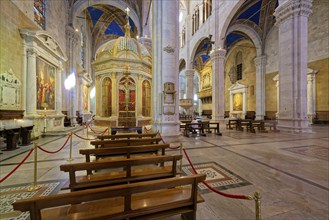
292 19
189 75
260 63
115 92
139 95
218 93
31 80
165 67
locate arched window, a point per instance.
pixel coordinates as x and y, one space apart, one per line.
197 18
183 37
238 62
39 13
207 8
146 99
193 24
107 97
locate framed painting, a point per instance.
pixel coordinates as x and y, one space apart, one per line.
45 85
237 102
85 98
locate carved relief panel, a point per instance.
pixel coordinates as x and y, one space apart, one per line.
10 91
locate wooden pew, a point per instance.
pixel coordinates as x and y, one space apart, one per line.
142 200
126 136
131 171
125 142
124 151
193 127
212 126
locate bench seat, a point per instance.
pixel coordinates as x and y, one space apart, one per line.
143 200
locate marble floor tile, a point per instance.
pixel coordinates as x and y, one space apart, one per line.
291 171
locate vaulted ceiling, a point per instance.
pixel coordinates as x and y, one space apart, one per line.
256 14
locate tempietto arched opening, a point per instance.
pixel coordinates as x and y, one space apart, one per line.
107 97
146 98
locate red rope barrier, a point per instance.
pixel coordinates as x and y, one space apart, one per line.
53 152
87 139
98 132
161 137
18 165
174 148
213 189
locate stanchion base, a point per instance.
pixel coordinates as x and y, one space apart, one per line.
34 188
69 159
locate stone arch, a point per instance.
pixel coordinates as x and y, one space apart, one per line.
223 30
79 6
194 50
251 33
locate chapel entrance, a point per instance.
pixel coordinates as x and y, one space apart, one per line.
127 102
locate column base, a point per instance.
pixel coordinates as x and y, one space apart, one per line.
217 118
294 125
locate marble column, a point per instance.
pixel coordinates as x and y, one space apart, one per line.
260 63
31 88
24 78
72 40
311 96
59 89
165 65
189 75
218 93
292 20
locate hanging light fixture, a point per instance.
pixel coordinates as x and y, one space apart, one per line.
126 71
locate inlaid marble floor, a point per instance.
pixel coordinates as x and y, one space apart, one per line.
290 171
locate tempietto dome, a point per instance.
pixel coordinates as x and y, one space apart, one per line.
123 47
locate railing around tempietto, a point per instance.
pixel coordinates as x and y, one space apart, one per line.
35 147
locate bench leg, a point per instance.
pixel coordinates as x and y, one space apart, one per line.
189 216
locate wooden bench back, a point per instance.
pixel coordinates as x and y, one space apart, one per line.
127 151
125 142
150 189
126 136
130 172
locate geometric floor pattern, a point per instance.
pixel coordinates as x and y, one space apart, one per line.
217 176
9 195
310 151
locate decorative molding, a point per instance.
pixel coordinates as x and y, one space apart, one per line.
260 60
169 49
292 8
219 53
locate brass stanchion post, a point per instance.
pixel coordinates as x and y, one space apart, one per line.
109 130
87 131
257 198
70 158
181 161
35 187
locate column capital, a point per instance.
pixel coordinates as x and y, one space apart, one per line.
71 34
260 60
189 73
32 51
292 8
220 53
